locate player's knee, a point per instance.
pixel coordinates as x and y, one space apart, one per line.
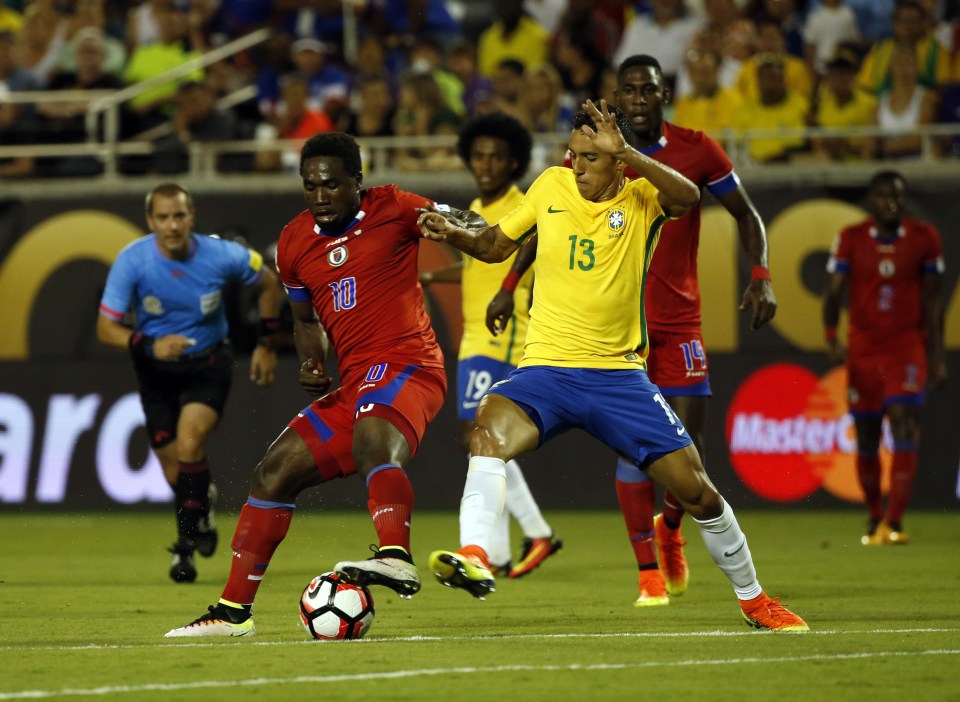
486 442
276 478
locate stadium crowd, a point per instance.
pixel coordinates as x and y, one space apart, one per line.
422 67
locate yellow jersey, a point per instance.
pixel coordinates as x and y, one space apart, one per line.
592 261
480 282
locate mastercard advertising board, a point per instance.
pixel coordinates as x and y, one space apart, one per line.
789 435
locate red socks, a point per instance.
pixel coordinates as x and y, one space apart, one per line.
261 528
901 484
390 505
637 501
868 470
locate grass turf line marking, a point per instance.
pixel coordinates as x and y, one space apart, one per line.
396 674
480 637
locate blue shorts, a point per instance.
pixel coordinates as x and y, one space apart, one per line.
476 375
621 408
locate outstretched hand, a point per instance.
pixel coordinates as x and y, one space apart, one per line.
434 224
607 136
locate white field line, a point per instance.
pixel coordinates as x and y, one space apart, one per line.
195 643
464 670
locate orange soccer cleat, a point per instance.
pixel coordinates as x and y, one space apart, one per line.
763 612
653 589
670 553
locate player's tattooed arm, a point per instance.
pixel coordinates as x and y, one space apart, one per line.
486 243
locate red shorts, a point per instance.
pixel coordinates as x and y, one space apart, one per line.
677 364
407 396
880 380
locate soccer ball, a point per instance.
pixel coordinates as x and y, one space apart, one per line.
333 609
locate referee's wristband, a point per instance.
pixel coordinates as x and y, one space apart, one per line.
269 326
759 273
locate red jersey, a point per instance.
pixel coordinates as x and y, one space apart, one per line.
363 283
886 282
672 296
673 291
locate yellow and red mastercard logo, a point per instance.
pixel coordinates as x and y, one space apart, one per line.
789 435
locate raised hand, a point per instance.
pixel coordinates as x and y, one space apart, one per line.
607 136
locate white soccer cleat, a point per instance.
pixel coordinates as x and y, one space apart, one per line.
395 573
218 621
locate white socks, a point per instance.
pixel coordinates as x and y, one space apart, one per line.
522 506
482 504
727 545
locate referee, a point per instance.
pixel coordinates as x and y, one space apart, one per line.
173 281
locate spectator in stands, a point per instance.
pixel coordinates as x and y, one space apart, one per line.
770 42
508 85
547 112
731 55
295 117
65 122
143 22
826 29
777 107
665 33
372 110
422 111
372 59
196 118
709 107
477 89
426 56
15 117
39 41
788 17
734 31
840 103
873 17
154 106
909 29
903 107
513 35
91 14
328 85
581 67
599 20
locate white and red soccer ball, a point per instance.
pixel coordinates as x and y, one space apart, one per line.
332 609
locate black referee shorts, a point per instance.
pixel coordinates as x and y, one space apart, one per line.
166 386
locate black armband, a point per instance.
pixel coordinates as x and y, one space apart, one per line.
140 345
268 330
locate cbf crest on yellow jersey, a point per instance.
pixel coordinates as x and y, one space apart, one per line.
480 282
592 261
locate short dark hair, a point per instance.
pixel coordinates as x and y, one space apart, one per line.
887 176
626 129
513 65
638 60
167 190
336 144
499 126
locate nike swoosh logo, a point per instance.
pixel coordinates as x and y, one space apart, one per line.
553 211
681 431
735 551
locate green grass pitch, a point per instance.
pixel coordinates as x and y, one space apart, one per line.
85 601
